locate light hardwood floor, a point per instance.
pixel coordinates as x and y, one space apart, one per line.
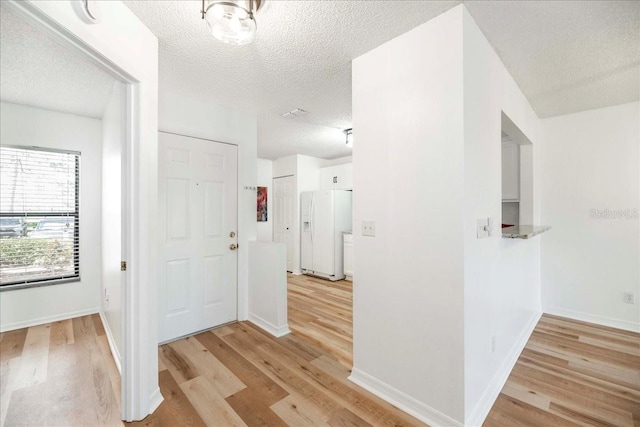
573 373
321 312
239 375
59 374
570 373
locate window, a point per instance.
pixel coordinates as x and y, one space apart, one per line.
39 216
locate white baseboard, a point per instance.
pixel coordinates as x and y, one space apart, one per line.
401 400
594 318
491 393
276 331
112 343
48 319
155 400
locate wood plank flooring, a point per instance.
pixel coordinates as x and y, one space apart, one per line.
239 375
572 373
321 312
59 374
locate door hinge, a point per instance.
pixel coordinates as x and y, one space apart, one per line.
123 265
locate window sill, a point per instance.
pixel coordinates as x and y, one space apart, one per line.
16 286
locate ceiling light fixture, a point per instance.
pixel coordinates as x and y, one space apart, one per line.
349 134
231 21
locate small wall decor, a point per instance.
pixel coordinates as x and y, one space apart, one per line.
262 204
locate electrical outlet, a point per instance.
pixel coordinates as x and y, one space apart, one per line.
629 297
493 343
369 228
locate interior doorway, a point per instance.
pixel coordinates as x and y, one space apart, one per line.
135 65
284 214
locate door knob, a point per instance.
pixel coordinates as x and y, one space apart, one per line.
232 234
233 246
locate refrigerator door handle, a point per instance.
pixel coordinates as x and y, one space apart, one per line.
311 224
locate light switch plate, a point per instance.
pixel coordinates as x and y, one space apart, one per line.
483 228
369 228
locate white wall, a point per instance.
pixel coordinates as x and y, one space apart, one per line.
285 166
441 90
195 116
590 164
408 178
122 44
308 173
268 283
501 276
264 178
22 125
338 161
113 138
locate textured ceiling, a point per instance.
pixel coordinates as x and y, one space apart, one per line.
301 58
37 71
566 56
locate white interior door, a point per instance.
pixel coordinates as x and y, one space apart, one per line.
284 213
198 201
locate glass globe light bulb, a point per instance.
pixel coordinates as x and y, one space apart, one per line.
234 24
230 23
217 10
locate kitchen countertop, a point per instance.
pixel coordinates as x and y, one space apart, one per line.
523 231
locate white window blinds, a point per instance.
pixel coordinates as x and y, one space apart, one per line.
39 216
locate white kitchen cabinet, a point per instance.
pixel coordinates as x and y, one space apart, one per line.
348 256
510 170
339 177
326 178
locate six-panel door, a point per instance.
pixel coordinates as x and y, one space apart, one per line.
197 196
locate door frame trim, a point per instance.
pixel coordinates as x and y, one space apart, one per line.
137 67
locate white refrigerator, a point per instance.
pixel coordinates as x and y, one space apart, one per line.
324 216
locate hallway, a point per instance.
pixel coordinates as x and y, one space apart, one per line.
321 312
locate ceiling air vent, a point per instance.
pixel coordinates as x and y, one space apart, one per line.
294 113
